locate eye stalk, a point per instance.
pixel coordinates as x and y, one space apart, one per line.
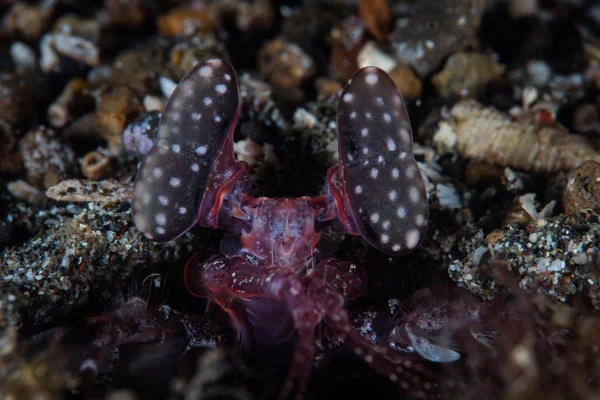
379 191
188 170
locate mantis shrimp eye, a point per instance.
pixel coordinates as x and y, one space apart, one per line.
173 178
380 180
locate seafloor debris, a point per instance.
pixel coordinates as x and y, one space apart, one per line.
505 172
408 82
554 256
435 30
525 209
74 101
46 159
466 74
377 17
286 66
116 109
96 165
486 134
54 272
139 136
583 188
347 38
16 98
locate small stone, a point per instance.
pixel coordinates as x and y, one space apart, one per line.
16 98
118 107
347 38
46 159
408 83
377 17
23 191
139 136
285 64
372 54
435 30
539 73
466 74
184 22
23 56
583 188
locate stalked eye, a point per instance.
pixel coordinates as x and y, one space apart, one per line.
378 177
172 179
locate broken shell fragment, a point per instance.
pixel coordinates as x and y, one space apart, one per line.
73 102
96 166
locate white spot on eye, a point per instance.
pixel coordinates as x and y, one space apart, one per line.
227 77
163 200
374 218
221 88
195 167
175 129
368 115
207 101
379 100
196 116
157 172
160 230
391 144
374 173
365 150
358 351
380 159
358 189
175 148
182 210
420 220
393 195
350 157
160 219
413 193
364 132
393 377
386 224
412 239
410 171
146 198
205 71
384 238
348 97
175 182
405 135
371 79
176 117
353 115
387 117
217 118
396 247
401 212
369 359
402 155
395 173
201 150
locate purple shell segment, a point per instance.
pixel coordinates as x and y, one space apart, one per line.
380 177
172 179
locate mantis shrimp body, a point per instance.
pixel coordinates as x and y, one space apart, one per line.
271 282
